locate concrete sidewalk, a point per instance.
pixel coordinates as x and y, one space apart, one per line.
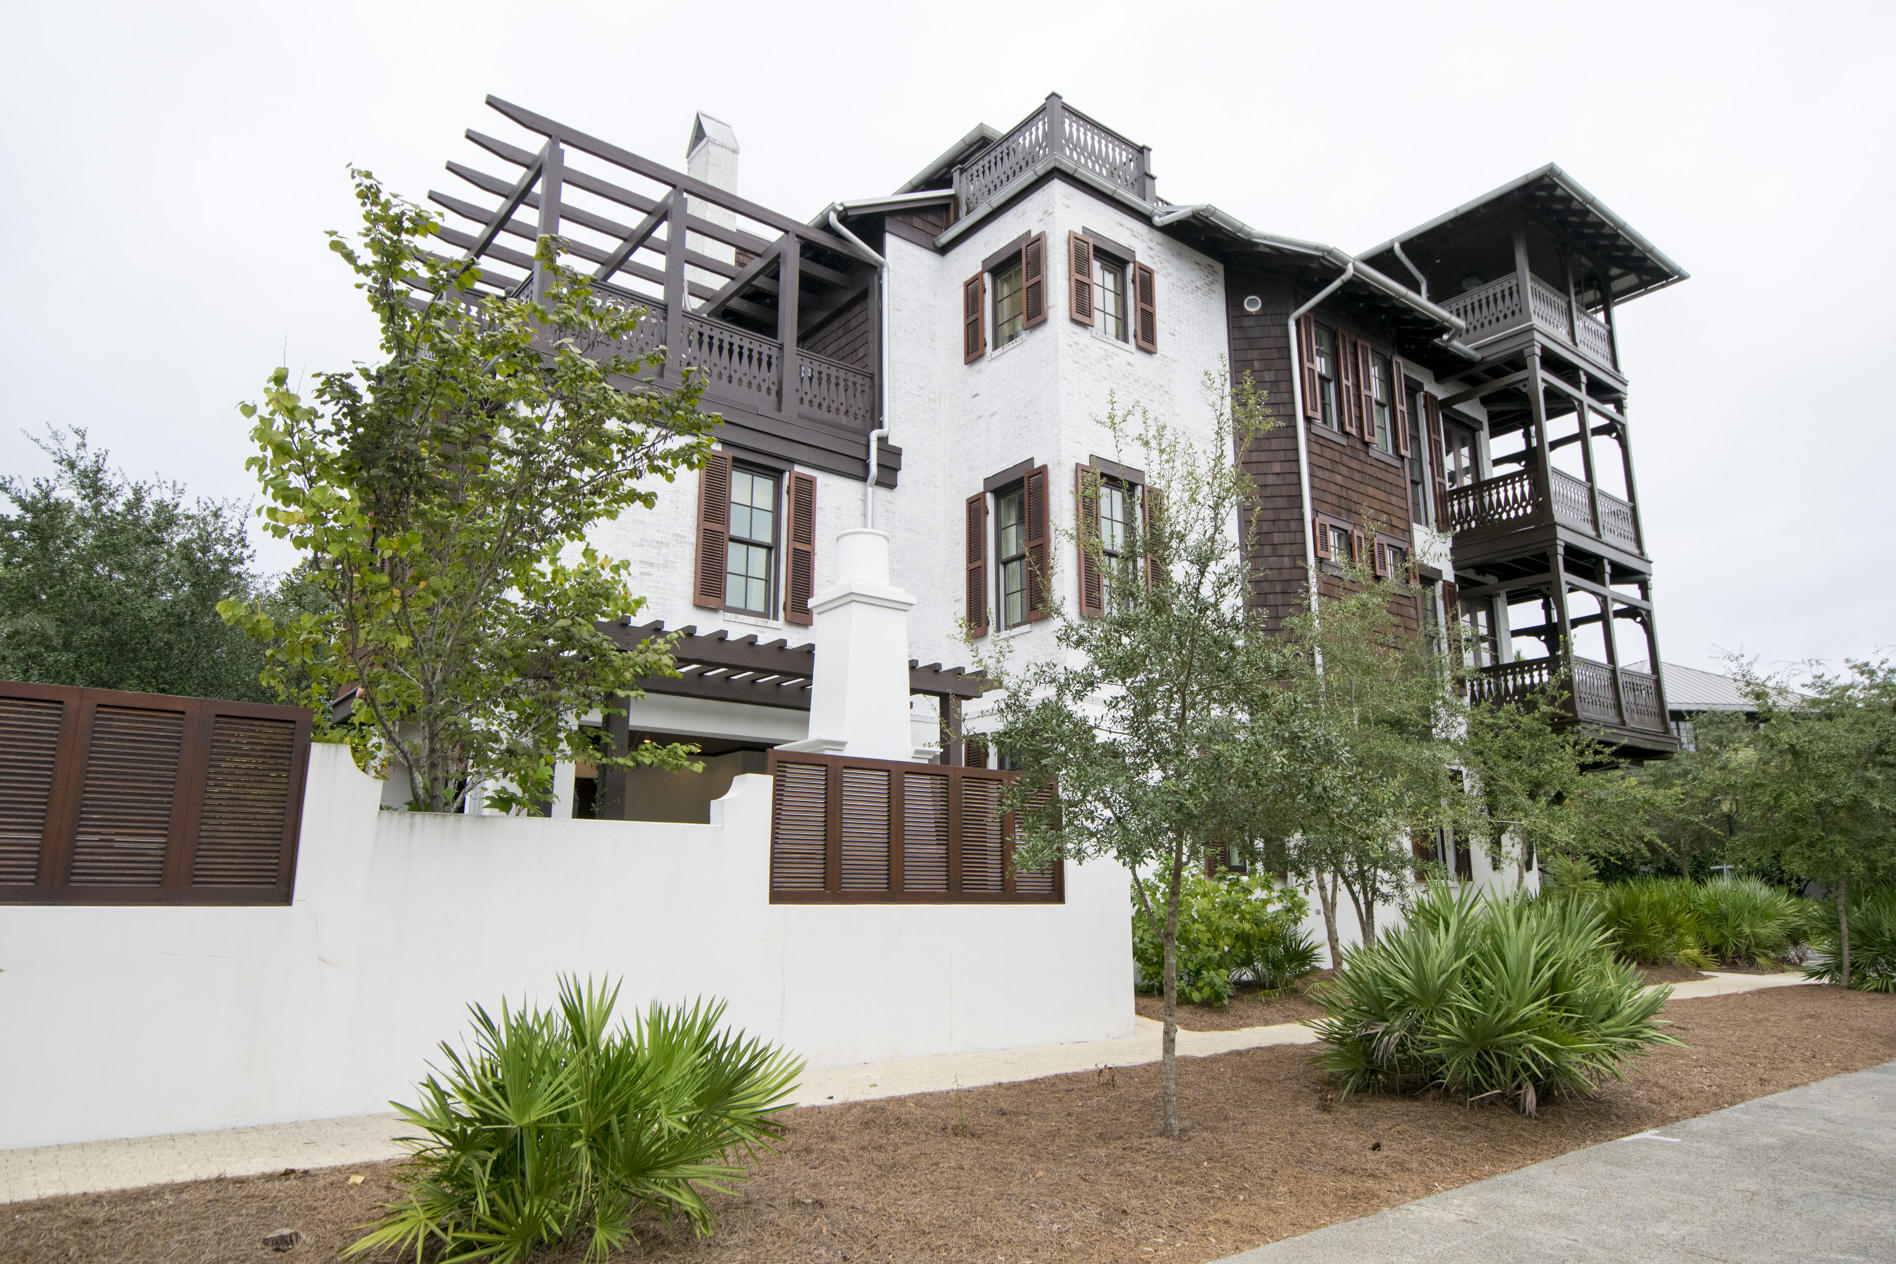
95 1166
1797 1176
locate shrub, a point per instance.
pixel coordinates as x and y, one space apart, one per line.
1515 1000
1743 921
1650 920
1227 928
1872 943
556 1124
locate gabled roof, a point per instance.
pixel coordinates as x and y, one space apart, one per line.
1635 266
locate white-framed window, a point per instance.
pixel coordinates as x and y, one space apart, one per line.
1010 554
1109 297
1327 398
751 548
1010 302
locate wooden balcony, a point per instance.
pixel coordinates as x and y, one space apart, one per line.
1495 508
1056 131
1498 308
1623 703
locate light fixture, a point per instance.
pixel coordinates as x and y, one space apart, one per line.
1253 304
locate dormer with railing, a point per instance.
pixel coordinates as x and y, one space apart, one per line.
1054 135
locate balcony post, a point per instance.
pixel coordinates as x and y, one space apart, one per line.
552 160
1148 183
1612 328
675 286
1557 556
1573 299
1652 654
1632 488
1612 641
1056 126
1586 456
1537 402
789 366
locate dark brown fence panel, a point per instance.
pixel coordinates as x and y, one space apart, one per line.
882 831
125 798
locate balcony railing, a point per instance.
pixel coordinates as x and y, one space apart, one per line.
1513 502
1594 693
748 369
1056 130
1496 308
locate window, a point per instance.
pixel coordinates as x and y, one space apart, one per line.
1392 561
1421 494
751 547
1109 296
1329 412
1010 310
1115 537
1382 396
1459 454
1335 542
1010 551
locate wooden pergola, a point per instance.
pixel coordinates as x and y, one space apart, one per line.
733 290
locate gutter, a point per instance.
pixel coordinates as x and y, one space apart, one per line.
881 431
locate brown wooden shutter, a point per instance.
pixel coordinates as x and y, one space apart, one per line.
1399 408
976 575
974 318
1366 389
1432 415
1152 513
1080 278
974 750
800 574
714 530
1033 281
29 745
248 782
1039 560
1381 559
1145 295
1322 529
1346 380
1086 498
1312 380
1422 847
1357 545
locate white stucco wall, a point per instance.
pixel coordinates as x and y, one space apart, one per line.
135 1021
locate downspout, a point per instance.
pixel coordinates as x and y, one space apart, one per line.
1421 281
1303 429
881 431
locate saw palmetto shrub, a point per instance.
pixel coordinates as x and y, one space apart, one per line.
1230 929
1651 921
1743 921
1490 1000
1872 943
557 1126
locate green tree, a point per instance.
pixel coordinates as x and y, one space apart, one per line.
1372 767
1133 740
1821 781
440 500
110 582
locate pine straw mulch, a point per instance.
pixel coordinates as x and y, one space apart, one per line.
1066 1168
1248 1007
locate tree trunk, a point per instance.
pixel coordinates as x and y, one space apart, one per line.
1365 911
1168 1049
1843 926
1326 900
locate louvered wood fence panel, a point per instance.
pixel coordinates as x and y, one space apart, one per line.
127 798
863 831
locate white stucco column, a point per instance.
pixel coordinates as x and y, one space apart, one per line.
859 695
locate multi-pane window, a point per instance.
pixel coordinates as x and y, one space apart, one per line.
1115 536
1383 395
1010 303
1420 492
1326 375
1011 551
1109 296
1339 537
1396 558
752 546
1459 454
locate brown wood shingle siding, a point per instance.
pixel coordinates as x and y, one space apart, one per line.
1348 479
844 337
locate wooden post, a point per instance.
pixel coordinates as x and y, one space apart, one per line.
675 286
1537 403
1586 456
1056 126
1632 489
1523 278
789 273
1612 640
1573 297
1558 556
1606 309
1652 654
552 173
611 804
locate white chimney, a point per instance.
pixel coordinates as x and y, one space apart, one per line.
711 156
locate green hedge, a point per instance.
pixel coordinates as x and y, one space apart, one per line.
1872 943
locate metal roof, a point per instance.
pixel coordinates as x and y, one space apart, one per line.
1691 690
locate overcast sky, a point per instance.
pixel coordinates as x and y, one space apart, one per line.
168 171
